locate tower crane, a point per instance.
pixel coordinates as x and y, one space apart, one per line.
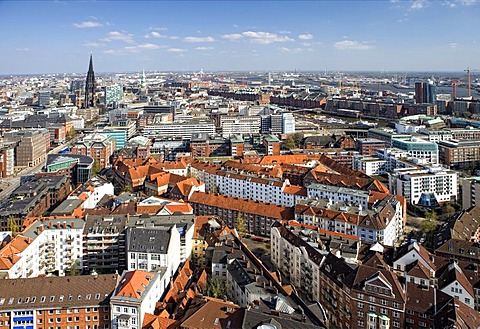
469 70
454 85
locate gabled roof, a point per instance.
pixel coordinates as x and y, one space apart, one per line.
133 284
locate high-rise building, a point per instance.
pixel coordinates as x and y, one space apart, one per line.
425 92
90 86
113 94
44 98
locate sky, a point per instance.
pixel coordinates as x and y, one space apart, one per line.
189 36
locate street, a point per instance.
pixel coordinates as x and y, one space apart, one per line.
8 185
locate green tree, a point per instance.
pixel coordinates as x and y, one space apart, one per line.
13 226
73 270
447 209
429 224
217 287
96 168
290 143
128 188
70 134
298 138
241 225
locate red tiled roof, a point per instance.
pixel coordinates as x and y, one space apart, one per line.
242 205
134 284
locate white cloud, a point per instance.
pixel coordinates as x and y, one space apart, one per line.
453 45
23 49
198 39
467 2
176 50
87 24
418 4
119 36
352 45
153 34
94 44
156 35
294 50
305 36
204 48
233 36
265 38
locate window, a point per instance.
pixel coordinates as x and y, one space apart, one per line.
396 305
395 314
359 305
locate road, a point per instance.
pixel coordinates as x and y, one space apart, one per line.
11 183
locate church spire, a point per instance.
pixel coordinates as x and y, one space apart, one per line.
90 85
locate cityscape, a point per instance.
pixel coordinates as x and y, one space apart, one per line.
240 165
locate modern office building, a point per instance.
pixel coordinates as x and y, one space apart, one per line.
44 98
418 148
184 130
32 148
232 125
112 94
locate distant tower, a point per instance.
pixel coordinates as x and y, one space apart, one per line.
143 79
90 86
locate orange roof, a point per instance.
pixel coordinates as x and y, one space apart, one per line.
199 225
300 159
242 205
297 190
9 254
157 322
134 284
185 208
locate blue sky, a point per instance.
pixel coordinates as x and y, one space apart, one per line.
417 35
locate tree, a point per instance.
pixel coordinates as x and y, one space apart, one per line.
71 134
298 137
447 210
217 287
96 168
128 188
73 270
13 226
241 225
290 143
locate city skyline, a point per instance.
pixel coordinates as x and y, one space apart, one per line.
420 35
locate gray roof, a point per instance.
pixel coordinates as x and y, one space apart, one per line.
56 292
148 240
66 207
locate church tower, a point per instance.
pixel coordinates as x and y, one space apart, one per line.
90 86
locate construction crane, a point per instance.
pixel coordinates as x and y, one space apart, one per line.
454 85
468 70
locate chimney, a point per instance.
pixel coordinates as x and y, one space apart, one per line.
64 224
72 224
50 225
40 228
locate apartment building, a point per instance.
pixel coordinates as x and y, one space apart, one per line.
259 216
424 185
153 249
7 159
136 294
369 165
418 148
98 146
46 246
459 154
297 259
470 192
382 223
104 243
57 302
